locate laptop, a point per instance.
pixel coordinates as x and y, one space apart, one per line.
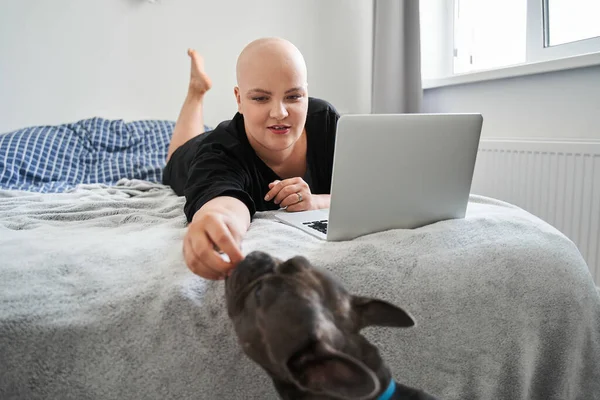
395 171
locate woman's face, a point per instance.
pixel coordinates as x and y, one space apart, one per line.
273 98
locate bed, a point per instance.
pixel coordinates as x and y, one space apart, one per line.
97 302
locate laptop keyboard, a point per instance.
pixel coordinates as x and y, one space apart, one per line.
320 226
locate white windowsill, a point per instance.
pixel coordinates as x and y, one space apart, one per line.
584 60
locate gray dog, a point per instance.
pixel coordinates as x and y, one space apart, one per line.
302 327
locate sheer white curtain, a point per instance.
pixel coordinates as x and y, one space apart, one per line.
397 86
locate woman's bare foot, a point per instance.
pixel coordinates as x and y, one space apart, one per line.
200 83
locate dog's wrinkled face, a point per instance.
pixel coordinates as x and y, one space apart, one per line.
300 325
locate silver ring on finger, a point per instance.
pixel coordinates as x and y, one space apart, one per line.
299 197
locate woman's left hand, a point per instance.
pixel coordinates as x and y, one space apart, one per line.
293 194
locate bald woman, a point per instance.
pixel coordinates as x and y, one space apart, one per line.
276 151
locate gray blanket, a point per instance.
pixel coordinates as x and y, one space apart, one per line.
97 302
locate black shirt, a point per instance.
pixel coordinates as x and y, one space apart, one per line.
222 162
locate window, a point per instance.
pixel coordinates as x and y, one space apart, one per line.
461 37
561 28
568 21
489 34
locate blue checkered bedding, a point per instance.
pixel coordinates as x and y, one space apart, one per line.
96 150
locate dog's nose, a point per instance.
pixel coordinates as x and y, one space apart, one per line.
254 260
253 266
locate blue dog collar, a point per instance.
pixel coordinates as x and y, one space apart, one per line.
389 392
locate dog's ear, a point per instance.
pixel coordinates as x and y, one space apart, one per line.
328 372
374 312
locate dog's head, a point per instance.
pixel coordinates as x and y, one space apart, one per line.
301 326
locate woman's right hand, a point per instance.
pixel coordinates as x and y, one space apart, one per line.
212 230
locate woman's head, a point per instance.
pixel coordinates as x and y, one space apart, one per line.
272 93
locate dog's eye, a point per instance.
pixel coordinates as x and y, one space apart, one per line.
257 292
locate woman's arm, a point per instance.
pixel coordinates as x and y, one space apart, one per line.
322 200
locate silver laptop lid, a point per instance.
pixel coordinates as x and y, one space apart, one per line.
401 171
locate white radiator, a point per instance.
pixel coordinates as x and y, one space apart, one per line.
558 181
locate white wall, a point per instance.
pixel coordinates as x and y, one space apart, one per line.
564 104
63 60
